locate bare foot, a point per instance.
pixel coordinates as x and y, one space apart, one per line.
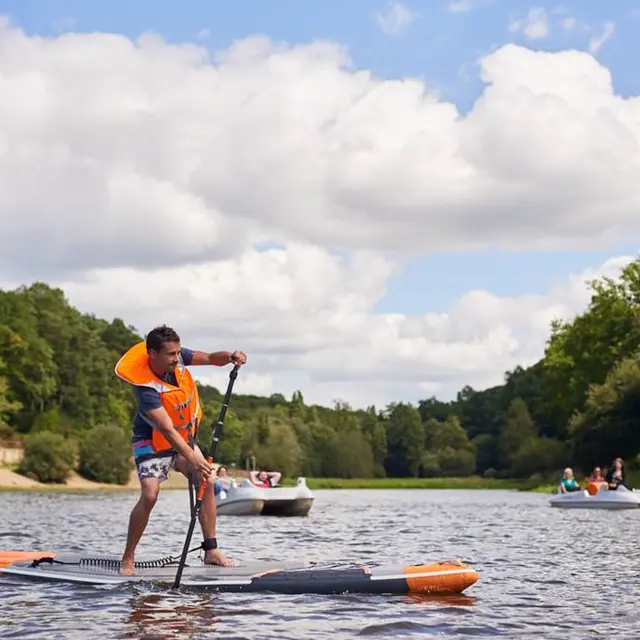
215 556
127 568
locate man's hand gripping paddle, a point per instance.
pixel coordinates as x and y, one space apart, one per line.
203 485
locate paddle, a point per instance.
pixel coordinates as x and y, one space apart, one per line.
217 429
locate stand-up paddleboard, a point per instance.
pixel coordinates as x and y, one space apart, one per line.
289 578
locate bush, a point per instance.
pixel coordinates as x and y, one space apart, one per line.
104 455
47 457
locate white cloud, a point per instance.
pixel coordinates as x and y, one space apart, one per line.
535 26
249 382
595 43
142 176
396 19
563 19
272 143
307 320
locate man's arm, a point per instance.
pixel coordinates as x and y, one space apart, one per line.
218 358
275 476
164 424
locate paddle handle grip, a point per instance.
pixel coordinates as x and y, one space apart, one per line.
203 485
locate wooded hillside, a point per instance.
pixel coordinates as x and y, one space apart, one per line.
579 405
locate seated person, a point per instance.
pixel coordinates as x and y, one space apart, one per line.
596 475
222 481
265 479
568 482
615 475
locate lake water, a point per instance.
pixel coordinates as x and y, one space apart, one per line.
544 573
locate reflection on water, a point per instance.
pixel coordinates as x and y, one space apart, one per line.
163 616
453 600
155 614
532 561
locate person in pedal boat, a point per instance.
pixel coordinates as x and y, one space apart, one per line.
223 480
596 476
164 429
265 479
615 475
568 482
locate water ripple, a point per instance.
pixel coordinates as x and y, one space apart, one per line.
543 572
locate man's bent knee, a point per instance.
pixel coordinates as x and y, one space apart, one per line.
181 465
150 496
149 492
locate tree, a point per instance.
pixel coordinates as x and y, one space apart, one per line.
351 456
518 428
233 432
8 406
436 409
373 429
297 408
405 440
582 352
448 451
607 426
281 451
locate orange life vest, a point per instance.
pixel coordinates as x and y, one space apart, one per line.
181 402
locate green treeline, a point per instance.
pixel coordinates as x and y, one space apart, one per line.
579 405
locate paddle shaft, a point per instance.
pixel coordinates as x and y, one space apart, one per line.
215 438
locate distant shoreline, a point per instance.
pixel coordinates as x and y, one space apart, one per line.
12 481
471 482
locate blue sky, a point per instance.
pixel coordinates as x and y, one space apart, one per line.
437 44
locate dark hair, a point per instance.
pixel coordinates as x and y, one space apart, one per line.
158 336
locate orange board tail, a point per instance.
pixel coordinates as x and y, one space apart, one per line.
7 558
441 577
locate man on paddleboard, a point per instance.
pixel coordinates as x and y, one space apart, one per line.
164 427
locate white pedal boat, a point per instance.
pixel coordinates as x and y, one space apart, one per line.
245 499
603 498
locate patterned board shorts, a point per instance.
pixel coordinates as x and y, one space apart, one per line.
156 467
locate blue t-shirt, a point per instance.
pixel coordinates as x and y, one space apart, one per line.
148 399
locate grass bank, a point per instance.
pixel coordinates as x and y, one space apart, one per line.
544 488
10 481
472 482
